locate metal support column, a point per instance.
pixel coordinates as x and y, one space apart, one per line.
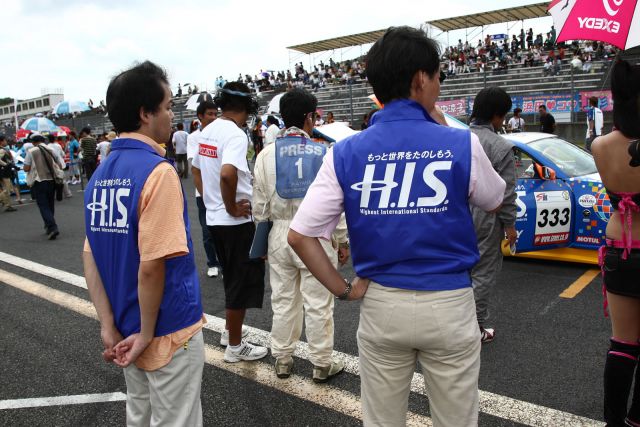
351 102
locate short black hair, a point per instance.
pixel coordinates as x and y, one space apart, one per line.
2 137
180 126
204 106
272 120
140 87
593 100
51 138
86 130
625 88
544 107
236 96
517 110
490 102
295 105
396 57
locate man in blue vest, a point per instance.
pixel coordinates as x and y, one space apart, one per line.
138 258
406 184
283 173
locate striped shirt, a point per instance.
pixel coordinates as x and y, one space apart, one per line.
88 146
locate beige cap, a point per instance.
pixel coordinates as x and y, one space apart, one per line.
111 136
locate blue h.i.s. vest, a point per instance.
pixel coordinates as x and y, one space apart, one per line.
111 221
406 183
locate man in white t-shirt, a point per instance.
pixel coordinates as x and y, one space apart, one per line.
207 112
595 122
180 142
221 174
272 130
516 123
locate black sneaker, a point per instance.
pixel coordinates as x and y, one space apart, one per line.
10 209
53 234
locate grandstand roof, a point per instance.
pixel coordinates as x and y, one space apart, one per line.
519 13
339 42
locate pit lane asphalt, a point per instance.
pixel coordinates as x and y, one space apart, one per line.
548 351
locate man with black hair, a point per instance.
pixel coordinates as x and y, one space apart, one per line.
595 122
41 163
221 174
516 123
139 261
179 140
272 130
547 121
89 149
6 173
489 110
283 172
206 112
405 185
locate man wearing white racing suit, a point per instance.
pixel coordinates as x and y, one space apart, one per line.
283 172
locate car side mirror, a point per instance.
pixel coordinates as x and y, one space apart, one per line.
548 173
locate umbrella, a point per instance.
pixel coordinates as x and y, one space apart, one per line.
63 129
68 107
22 133
274 105
39 124
195 100
612 21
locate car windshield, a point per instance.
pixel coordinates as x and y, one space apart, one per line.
567 157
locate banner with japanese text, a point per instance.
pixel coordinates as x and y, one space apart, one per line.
453 107
604 96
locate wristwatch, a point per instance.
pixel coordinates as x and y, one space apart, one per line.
347 291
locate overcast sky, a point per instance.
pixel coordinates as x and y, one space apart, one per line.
78 45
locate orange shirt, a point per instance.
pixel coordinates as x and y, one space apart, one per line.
161 234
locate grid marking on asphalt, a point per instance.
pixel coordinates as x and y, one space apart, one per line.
490 403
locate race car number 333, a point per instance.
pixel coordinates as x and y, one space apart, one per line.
553 217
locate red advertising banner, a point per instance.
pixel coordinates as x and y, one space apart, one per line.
604 96
454 107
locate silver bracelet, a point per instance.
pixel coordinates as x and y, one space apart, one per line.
346 292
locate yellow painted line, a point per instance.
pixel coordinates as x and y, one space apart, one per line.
300 387
582 282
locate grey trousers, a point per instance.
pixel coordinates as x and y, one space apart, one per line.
490 233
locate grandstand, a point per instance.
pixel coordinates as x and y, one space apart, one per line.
350 102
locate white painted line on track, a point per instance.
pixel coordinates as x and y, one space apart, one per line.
301 387
79 399
490 403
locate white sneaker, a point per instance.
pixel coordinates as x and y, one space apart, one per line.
224 338
213 272
246 351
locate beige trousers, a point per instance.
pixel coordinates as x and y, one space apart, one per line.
437 329
297 295
5 191
169 396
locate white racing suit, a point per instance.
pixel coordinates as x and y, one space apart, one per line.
490 226
294 291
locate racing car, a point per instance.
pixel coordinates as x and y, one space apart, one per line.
563 208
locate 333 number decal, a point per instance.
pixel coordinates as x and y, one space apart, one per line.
554 217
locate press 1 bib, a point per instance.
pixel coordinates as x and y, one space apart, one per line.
298 161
